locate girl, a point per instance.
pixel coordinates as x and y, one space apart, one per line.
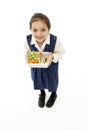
41 40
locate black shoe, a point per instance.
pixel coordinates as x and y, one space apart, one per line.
41 101
51 100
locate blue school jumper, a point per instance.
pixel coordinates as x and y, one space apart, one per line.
45 78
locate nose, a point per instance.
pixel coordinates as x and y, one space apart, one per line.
38 33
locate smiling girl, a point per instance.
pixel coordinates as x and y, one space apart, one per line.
41 40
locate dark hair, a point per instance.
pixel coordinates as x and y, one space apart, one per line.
40 16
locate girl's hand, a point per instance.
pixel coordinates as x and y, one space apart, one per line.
26 55
51 57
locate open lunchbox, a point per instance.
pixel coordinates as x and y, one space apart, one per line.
38 59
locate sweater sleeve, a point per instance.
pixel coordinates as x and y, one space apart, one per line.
26 47
58 51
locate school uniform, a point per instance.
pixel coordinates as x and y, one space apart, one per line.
46 78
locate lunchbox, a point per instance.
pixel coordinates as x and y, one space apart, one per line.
38 59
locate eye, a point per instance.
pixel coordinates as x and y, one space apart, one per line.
43 30
34 30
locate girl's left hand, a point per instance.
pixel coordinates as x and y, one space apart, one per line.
51 57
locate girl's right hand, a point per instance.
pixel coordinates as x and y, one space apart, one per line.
26 55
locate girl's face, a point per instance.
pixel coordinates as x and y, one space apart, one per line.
40 31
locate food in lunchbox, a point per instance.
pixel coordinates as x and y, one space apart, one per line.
37 57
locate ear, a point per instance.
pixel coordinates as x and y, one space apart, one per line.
49 30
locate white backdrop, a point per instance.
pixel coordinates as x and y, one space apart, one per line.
18 100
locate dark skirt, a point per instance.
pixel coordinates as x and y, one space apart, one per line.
46 78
